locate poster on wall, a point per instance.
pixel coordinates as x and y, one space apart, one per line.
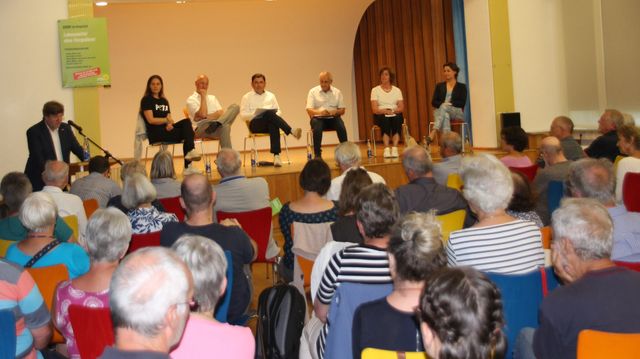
84 52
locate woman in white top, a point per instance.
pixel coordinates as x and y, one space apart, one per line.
629 144
387 106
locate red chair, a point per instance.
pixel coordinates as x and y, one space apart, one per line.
530 171
630 191
630 265
92 329
172 205
144 240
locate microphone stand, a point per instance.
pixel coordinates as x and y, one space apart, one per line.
107 154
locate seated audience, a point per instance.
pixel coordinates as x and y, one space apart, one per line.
149 296
522 203
348 157
203 335
198 198
163 176
137 196
344 229
450 151
56 178
40 248
498 242
597 294
562 129
514 142
315 180
629 144
127 170
21 296
555 169
606 146
14 188
106 241
98 184
461 316
415 251
591 178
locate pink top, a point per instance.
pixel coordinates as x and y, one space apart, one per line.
512 161
67 295
208 339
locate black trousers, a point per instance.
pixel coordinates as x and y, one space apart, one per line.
319 124
182 132
269 122
389 125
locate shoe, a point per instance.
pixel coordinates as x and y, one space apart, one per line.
277 162
386 153
213 127
297 133
394 152
193 156
190 171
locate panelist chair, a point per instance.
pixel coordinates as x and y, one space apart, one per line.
310 137
455 122
253 136
374 128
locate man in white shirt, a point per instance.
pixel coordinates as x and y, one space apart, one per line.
325 105
210 119
260 109
56 177
348 157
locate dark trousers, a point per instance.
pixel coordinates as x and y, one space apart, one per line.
182 132
389 125
319 124
269 122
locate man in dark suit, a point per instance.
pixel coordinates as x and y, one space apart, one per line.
49 139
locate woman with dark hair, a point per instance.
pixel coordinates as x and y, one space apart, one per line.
522 203
387 106
315 180
514 140
461 316
155 110
629 144
344 229
449 99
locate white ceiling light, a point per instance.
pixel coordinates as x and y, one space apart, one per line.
101 3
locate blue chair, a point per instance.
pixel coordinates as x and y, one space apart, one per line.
346 300
555 192
8 336
223 308
521 298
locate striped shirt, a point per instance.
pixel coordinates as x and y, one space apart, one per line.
509 248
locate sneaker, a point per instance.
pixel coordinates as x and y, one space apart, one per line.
190 171
213 127
394 152
386 153
193 156
277 162
297 133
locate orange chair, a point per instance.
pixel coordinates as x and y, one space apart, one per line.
172 205
547 236
306 265
529 171
144 240
594 344
47 279
90 206
630 192
92 329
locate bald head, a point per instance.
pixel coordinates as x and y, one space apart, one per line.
202 82
551 150
416 162
196 193
228 162
56 173
326 79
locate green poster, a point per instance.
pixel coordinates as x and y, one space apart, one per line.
84 52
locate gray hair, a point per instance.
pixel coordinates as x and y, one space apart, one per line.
488 185
616 117
162 166
377 210
55 172
564 122
137 190
592 178
417 159
15 187
451 140
38 212
587 225
132 167
228 162
146 284
208 265
107 235
348 154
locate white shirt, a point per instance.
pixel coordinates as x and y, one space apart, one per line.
193 104
387 100
336 184
251 101
68 205
627 164
55 137
320 100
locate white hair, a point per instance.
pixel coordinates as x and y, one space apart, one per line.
107 235
38 212
228 162
348 154
488 185
137 190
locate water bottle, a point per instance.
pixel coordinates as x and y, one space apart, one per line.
207 166
308 152
86 155
369 151
253 158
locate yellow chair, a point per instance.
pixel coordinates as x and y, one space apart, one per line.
594 344
455 181
47 279
615 162
72 222
371 353
253 137
451 222
4 245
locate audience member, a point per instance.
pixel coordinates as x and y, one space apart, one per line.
522 203
605 146
14 188
97 184
591 178
127 170
163 176
106 241
556 169
237 193
514 141
387 106
150 295
198 199
415 251
40 248
450 151
344 229
21 296
203 335
461 316
137 195
498 242
348 157
56 178
325 105
629 144
562 129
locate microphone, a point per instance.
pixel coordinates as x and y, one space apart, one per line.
74 125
